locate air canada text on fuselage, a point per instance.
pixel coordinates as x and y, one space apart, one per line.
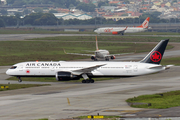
43 64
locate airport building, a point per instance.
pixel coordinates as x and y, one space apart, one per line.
68 16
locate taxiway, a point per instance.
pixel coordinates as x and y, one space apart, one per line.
67 100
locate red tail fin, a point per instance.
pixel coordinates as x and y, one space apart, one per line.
145 23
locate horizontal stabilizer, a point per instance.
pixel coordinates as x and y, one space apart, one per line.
160 66
155 67
168 66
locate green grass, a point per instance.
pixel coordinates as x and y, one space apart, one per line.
110 38
169 99
19 86
54 31
12 52
154 33
171 61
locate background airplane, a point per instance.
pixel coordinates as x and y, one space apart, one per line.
75 70
99 54
122 30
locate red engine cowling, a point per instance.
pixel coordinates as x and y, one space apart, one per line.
113 57
115 33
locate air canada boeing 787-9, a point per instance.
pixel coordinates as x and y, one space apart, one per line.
63 70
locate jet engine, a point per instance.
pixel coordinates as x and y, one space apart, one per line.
63 76
93 57
115 33
113 57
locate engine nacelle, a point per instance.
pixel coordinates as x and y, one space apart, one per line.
64 76
93 57
113 57
115 33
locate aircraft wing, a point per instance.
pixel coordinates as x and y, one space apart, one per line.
86 69
119 54
79 54
119 32
122 31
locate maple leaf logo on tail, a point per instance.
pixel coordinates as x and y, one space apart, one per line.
156 53
155 56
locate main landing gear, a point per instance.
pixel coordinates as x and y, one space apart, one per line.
86 79
19 79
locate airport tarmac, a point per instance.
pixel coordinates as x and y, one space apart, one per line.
67 100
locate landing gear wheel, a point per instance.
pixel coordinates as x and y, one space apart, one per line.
19 79
83 81
87 81
107 58
91 81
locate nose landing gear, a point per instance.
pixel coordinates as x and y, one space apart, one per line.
19 79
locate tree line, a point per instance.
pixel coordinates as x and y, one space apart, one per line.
49 19
57 3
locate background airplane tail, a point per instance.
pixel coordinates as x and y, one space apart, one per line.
156 53
96 44
145 23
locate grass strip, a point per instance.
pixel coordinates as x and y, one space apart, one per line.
12 52
171 61
110 38
156 101
33 30
4 87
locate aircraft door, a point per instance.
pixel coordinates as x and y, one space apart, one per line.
128 69
52 69
135 68
21 68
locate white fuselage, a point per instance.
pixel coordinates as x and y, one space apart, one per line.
116 29
32 69
101 53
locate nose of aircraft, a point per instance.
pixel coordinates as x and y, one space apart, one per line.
95 30
7 72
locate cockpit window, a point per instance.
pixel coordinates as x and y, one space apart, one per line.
13 67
